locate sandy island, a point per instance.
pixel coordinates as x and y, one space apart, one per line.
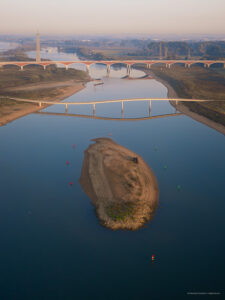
120 184
63 90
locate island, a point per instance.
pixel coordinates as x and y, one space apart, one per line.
120 184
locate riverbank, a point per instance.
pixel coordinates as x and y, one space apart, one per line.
120 184
49 91
183 107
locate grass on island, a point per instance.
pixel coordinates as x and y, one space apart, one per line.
120 211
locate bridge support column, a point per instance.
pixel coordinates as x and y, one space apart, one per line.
44 67
88 69
122 107
108 70
128 70
93 109
67 67
40 104
66 108
21 68
150 107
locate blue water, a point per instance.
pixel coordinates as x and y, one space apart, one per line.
52 246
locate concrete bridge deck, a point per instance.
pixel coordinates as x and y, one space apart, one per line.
105 101
109 63
43 104
94 103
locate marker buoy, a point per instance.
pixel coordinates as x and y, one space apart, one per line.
109 134
70 183
153 257
178 187
67 162
73 146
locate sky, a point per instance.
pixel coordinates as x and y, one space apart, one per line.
100 17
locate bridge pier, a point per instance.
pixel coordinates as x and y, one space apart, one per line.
40 104
88 69
150 107
108 70
93 109
67 67
128 70
66 108
21 68
44 67
122 107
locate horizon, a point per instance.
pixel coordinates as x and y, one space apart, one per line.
98 18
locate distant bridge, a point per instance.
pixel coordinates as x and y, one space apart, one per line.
109 63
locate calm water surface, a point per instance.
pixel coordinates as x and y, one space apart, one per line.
52 246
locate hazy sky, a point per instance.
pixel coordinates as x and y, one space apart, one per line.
113 16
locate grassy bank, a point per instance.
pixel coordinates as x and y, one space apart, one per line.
11 77
34 83
197 82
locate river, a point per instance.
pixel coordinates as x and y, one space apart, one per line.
52 245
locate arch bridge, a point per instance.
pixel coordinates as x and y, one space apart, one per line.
109 63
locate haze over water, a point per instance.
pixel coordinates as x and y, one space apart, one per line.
52 246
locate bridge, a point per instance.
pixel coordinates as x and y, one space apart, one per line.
43 103
109 63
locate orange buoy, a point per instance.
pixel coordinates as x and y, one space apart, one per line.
70 183
73 146
153 257
67 162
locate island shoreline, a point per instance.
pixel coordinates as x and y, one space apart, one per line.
101 181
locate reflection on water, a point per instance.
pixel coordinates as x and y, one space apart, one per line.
52 243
